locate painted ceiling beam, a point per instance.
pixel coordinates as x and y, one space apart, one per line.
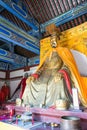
20 13
4 56
17 36
14 59
72 14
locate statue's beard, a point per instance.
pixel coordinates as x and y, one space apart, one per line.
53 62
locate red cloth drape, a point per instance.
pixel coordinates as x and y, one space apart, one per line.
23 85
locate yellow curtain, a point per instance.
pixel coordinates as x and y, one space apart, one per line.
80 82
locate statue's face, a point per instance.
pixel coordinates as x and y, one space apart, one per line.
53 41
54 44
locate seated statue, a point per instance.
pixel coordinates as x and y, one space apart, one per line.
48 84
54 79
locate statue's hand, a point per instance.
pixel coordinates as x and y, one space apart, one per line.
31 78
58 77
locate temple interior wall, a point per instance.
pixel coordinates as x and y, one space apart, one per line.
15 78
81 61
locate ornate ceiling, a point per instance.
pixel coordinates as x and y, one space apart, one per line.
23 22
